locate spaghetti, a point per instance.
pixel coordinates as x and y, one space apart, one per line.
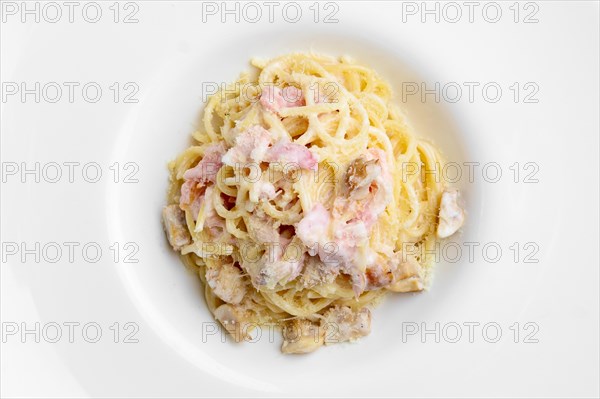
304 200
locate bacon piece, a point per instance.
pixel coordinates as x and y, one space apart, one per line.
250 146
206 170
274 99
314 226
290 153
195 178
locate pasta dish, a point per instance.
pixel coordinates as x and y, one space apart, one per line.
305 199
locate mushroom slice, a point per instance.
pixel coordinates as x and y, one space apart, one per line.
301 336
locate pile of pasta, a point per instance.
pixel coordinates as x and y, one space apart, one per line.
231 221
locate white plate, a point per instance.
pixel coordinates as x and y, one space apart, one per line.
171 54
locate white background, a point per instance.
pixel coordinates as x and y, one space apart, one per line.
169 54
